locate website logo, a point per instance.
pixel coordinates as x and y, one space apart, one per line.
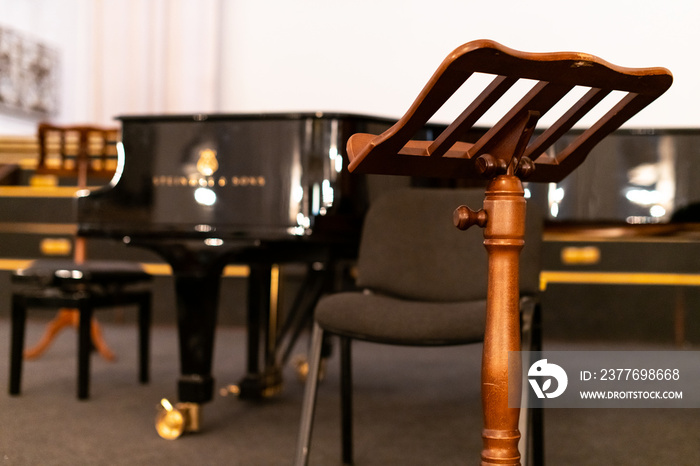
546 372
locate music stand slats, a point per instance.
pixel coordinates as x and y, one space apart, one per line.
557 73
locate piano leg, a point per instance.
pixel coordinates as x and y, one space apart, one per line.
316 281
320 278
265 336
197 284
262 334
197 302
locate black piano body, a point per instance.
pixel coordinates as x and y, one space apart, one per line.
204 191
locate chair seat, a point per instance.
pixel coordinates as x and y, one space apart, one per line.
387 319
67 274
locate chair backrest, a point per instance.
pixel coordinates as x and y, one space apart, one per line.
64 150
411 249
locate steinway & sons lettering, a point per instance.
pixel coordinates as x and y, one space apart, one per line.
208 181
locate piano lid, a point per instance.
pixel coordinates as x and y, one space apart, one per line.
248 175
634 176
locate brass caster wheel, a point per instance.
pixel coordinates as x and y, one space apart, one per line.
255 387
301 368
173 421
230 390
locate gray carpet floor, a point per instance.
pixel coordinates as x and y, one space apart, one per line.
413 407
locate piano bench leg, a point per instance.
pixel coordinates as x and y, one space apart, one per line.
144 337
19 320
86 309
84 350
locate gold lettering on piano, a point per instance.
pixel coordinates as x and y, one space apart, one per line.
195 181
207 163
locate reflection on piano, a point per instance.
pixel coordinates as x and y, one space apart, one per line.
634 176
207 190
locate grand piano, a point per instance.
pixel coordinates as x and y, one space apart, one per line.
622 241
204 191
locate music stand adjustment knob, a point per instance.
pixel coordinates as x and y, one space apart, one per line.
489 166
464 217
525 168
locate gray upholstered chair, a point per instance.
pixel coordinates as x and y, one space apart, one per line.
423 283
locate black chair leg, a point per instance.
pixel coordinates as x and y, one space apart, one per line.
537 419
144 338
19 320
309 402
537 439
84 349
346 399
531 326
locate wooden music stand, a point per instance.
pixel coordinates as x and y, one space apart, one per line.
505 155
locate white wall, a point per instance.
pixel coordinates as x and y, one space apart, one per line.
123 56
362 56
63 26
160 56
374 56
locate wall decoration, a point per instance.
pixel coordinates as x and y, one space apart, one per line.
28 75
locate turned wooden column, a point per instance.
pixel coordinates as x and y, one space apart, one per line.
503 220
504 237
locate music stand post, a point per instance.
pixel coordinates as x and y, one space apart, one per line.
504 155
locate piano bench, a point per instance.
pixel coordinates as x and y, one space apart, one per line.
85 287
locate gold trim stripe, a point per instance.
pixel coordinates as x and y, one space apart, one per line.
151 268
39 191
39 228
618 278
575 238
13 264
